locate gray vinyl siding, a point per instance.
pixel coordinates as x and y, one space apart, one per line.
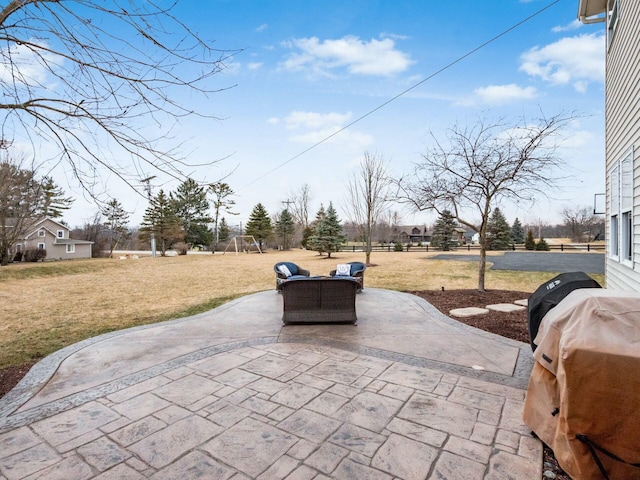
623 129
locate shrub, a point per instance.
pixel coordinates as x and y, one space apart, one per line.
34 254
181 247
530 243
17 257
398 247
542 245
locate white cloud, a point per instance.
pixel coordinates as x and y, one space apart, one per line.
313 120
254 65
262 28
500 95
575 60
31 66
574 25
313 127
376 57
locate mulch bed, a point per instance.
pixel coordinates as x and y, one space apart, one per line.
511 325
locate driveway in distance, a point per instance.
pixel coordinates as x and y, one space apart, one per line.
538 261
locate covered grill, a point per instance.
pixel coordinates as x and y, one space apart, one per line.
583 398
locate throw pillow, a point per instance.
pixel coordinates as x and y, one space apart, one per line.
284 270
343 269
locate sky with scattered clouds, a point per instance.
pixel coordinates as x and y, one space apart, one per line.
309 69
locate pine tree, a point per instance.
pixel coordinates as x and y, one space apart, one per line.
443 232
115 224
542 245
530 242
498 232
160 220
328 235
517 231
54 202
223 230
307 233
285 228
313 242
259 225
191 207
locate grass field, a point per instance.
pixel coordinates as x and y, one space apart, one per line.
47 306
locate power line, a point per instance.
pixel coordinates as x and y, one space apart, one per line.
404 92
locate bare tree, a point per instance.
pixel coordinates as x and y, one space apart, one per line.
21 198
483 166
300 205
578 221
368 196
91 80
221 203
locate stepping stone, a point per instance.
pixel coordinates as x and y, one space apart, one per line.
524 302
467 312
505 307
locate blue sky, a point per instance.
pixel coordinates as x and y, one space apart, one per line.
309 68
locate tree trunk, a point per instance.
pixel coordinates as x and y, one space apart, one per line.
482 266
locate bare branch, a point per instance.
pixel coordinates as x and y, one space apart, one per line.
91 78
482 166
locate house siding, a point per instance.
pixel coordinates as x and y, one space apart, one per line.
56 247
622 107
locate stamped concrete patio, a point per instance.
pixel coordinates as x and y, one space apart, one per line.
408 393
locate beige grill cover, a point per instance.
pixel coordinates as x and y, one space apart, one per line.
588 373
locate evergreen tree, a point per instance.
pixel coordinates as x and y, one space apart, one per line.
498 232
191 207
259 225
530 242
223 230
115 224
328 235
542 245
313 242
443 232
54 202
160 220
285 228
307 233
517 231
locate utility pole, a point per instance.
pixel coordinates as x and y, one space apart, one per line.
147 182
287 202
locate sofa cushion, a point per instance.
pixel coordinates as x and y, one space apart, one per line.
285 270
343 269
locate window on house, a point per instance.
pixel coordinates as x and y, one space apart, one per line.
71 248
41 233
60 233
626 209
612 20
627 237
41 246
614 210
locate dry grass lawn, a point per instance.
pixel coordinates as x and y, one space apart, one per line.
46 306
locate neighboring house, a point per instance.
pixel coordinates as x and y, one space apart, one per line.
53 236
411 234
622 116
458 235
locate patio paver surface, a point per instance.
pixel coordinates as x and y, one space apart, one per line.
232 394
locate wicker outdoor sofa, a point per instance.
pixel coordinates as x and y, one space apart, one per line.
319 300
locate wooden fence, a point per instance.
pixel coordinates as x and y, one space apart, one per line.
569 247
